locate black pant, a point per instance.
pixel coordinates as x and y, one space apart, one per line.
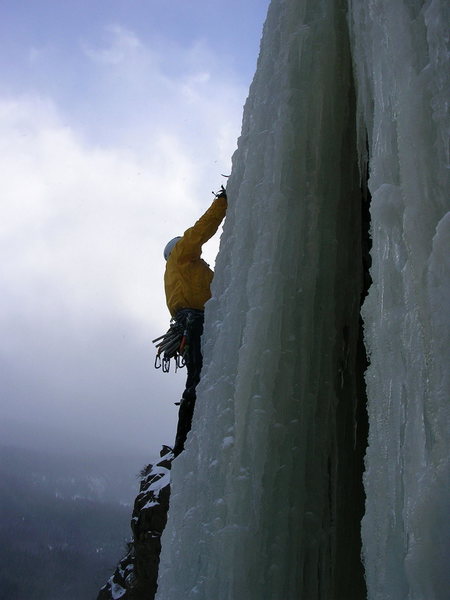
192 320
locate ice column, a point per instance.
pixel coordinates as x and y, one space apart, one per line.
401 61
266 499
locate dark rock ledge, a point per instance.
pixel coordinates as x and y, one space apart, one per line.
136 575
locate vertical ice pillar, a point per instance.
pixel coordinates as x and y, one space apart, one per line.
402 71
266 499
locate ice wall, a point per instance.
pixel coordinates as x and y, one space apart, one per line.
400 51
266 500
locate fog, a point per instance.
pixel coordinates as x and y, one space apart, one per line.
88 393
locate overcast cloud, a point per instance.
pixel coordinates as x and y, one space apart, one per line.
93 185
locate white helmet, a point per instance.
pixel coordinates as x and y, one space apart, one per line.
170 246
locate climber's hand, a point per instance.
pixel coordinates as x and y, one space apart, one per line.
222 193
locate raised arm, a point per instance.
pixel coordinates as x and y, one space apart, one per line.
190 245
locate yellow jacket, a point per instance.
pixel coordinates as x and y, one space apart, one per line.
187 279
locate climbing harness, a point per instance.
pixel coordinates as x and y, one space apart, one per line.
175 342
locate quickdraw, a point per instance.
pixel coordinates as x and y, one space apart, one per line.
173 344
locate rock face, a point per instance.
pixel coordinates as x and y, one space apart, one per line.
136 575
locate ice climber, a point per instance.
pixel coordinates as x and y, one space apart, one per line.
187 281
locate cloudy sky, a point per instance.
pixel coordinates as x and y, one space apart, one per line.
117 118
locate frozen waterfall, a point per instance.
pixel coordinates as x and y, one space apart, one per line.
403 75
268 497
